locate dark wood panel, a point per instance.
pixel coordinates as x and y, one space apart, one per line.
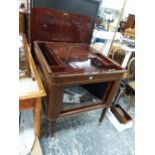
83 7
80 110
54 25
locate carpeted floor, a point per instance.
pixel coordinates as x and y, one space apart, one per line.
81 135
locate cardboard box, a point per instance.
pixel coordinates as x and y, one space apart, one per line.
120 120
36 149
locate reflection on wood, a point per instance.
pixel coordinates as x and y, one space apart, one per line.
63 26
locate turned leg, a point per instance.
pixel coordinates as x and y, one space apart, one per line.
102 115
37 116
53 127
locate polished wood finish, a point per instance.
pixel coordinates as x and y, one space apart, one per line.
56 61
64 27
56 80
32 100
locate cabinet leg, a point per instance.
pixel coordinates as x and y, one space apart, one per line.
53 127
102 115
46 127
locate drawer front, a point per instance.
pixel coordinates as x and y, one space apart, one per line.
26 104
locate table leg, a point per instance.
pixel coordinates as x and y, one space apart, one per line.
37 116
102 115
109 98
53 127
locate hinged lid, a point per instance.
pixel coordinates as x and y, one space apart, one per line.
58 26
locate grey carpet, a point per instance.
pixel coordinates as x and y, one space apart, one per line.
81 135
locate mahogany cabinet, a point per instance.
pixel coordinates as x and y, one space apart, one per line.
67 64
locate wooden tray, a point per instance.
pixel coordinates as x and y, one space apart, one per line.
122 116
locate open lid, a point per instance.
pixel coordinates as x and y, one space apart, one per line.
58 26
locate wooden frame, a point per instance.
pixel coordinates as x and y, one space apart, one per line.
32 100
118 55
66 40
55 88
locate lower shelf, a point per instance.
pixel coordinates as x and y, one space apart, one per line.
80 110
77 96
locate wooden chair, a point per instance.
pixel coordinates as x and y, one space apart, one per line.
127 84
118 55
131 79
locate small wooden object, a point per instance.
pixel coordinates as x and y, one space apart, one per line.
122 116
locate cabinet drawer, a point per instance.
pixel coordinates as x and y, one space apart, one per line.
26 104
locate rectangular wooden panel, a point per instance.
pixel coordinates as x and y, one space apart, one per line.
83 7
54 25
26 104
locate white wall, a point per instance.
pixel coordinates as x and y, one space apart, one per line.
113 4
130 7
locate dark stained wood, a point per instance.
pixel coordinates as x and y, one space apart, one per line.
103 115
64 27
56 59
79 110
56 81
61 55
55 97
82 7
53 126
108 101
